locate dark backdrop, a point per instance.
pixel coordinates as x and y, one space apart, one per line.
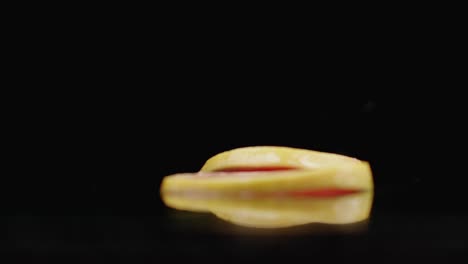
88 156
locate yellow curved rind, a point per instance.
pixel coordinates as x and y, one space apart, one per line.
259 156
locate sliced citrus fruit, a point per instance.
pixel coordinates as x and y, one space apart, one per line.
275 170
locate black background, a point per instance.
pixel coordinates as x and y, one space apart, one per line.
130 107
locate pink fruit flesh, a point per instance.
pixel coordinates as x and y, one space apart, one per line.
255 169
322 193
330 192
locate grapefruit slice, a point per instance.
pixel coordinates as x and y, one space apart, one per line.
271 171
268 186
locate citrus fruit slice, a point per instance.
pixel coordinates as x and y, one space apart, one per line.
274 171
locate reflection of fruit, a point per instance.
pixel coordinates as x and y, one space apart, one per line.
278 212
